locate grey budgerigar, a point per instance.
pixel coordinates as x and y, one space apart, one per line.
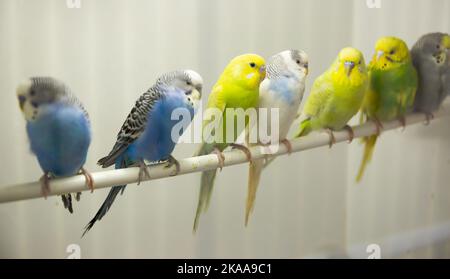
431 57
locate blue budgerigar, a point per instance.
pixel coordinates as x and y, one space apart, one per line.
147 132
58 129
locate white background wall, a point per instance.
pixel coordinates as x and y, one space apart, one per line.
111 51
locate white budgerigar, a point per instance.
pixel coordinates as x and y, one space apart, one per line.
282 89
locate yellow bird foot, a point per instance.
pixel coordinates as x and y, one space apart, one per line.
378 125
89 179
243 149
220 157
332 138
351 133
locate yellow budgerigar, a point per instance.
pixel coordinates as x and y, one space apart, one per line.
393 85
237 88
336 95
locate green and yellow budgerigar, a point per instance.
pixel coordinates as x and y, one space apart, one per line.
336 95
393 85
237 88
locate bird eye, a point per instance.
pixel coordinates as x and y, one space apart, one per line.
392 52
32 92
252 64
188 83
438 46
298 61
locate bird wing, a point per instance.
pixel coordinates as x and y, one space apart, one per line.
133 126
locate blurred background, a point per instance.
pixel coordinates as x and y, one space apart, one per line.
308 205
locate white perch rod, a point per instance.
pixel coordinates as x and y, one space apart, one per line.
112 178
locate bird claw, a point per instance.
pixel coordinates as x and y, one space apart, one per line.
45 185
89 179
243 149
172 161
402 121
288 145
378 125
429 116
332 138
143 172
351 133
220 157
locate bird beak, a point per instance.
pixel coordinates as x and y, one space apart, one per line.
262 71
22 100
349 67
380 53
446 42
306 69
199 89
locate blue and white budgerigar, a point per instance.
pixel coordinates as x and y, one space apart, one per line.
431 58
282 89
147 132
58 129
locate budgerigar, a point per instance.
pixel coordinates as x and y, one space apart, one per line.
282 89
147 132
237 88
393 85
58 129
431 58
336 95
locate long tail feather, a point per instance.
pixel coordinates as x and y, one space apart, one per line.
254 175
105 207
122 162
368 152
207 185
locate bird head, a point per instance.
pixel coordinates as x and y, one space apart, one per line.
288 62
247 70
188 82
390 52
434 46
36 92
351 61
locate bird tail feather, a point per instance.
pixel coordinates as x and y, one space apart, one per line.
207 184
104 208
368 152
255 169
206 187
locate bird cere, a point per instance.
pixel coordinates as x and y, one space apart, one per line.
254 102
